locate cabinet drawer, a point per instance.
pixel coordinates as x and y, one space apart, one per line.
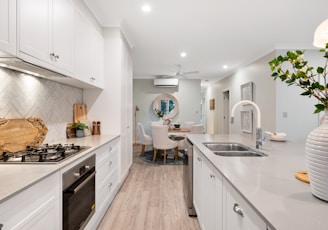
105 167
109 148
107 189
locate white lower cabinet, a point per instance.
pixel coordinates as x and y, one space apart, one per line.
218 205
20 212
107 179
238 213
207 193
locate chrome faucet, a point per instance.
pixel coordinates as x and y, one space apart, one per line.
258 124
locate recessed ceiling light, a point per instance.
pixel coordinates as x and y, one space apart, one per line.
183 54
146 8
225 67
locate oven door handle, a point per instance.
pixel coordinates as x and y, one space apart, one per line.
84 182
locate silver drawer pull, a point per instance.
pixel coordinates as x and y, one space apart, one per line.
212 176
237 209
199 159
110 163
110 184
110 149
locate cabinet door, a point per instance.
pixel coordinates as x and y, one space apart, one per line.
35 20
83 48
37 207
63 34
126 110
97 59
207 208
198 182
7 27
218 200
239 215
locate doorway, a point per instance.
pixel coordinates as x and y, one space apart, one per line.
226 115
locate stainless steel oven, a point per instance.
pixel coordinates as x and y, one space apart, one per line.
79 194
188 178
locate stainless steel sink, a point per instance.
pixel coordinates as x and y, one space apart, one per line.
232 149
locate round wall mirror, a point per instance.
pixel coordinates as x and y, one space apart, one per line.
167 105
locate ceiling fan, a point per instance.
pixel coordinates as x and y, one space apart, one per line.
178 73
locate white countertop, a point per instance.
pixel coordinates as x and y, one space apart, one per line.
269 183
16 177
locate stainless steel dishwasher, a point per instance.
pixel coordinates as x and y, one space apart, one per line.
188 178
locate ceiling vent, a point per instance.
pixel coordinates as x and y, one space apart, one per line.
170 82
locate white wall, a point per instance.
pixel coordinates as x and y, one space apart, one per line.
188 95
300 120
263 95
283 108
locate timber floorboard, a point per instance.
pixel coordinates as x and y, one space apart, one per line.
150 198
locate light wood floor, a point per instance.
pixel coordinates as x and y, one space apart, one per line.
150 198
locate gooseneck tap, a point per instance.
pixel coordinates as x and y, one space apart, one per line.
258 124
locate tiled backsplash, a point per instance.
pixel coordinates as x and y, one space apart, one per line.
22 95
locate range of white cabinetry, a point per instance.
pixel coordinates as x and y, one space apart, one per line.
218 205
46 32
7 27
37 207
107 179
55 35
208 189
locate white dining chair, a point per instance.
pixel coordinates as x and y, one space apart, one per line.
161 141
144 139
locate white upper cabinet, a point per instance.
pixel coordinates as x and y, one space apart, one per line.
7 27
46 32
88 65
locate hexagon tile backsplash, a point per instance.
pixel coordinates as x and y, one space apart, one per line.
22 95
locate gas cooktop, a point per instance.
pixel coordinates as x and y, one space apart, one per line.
46 153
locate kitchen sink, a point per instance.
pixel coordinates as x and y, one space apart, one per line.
232 149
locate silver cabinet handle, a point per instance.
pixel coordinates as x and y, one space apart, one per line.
54 55
110 185
110 163
237 209
110 149
199 159
212 176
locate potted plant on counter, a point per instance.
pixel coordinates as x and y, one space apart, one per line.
79 128
314 83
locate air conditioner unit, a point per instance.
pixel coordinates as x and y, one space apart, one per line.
171 82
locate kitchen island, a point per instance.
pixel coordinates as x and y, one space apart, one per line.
268 184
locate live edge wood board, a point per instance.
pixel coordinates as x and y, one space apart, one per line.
18 133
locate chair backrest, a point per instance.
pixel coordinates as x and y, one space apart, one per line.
197 128
156 123
143 137
187 124
161 139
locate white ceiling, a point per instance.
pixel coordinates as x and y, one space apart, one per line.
212 32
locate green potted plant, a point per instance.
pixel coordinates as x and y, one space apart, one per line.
159 113
314 83
79 128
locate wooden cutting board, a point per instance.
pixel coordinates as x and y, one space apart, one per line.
79 112
16 134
